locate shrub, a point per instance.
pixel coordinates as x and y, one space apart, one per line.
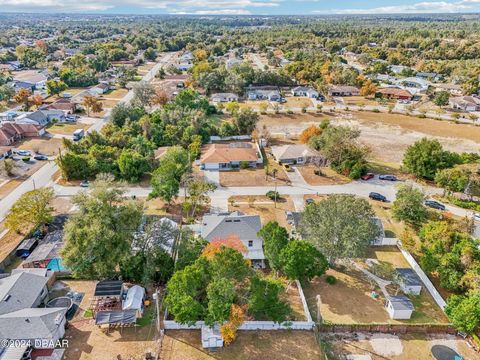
272 195
244 164
26 158
304 110
376 110
330 279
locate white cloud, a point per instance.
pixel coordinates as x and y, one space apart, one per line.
421 7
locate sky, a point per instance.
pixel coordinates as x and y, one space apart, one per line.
241 7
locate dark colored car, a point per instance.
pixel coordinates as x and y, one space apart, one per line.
435 205
377 196
388 177
309 201
40 157
368 176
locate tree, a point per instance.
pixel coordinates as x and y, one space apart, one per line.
150 54
340 226
464 311
408 206
275 238
166 178
232 107
245 120
160 97
23 97
220 295
154 266
197 190
189 248
92 104
302 261
425 157
368 88
309 132
236 319
231 241
55 87
461 178
143 94
99 235
6 92
230 264
31 210
132 165
441 98
265 302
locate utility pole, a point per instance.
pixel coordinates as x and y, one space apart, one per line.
275 182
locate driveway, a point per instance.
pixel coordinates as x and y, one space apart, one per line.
212 176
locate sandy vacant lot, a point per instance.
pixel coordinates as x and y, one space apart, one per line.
388 135
251 177
406 347
249 345
46 146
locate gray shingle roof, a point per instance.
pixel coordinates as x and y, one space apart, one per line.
20 291
222 225
36 323
409 277
401 302
294 151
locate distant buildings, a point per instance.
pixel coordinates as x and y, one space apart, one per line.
223 97
465 103
270 93
305 91
344 90
394 93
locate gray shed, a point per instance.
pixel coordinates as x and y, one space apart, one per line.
410 283
399 307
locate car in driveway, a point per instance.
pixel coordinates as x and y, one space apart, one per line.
85 184
368 176
23 153
388 177
435 205
40 157
377 196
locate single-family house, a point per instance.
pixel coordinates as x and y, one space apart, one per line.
305 91
36 79
453 89
78 98
410 282
184 66
47 253
229 156
64 104
298 154
100 89
11 132
394 93
344 90
465 103
413 84
223 97
398 69
245 227
22 290
19 85
270 93
399 307
431 76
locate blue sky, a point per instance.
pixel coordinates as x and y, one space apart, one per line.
243 7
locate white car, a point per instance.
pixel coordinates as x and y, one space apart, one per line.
476 216
24 153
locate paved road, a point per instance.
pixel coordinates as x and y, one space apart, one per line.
43 177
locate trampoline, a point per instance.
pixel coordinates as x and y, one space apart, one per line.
63 302
442 352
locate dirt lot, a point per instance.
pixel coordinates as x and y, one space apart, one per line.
359 101
249 345
330 178
261 205
406 347
297 102
251 177
388 135
117 94
46 146
67 129
87 341
256 105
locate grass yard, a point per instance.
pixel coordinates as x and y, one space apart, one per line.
330 178
249 345
293 297
67 129
255 105
46 146
297 102
116 94
359 101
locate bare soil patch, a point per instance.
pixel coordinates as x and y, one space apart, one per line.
329 177
46 146
297 102
251 177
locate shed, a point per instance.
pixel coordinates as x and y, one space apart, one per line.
134 300
109 288
399 307
211 337
410 282
26 247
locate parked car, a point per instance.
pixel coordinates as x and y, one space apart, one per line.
476 216
368 176
289 217
40 157
287 167
85 184
71 118
377 196
309 201
435 205
388 177
23 152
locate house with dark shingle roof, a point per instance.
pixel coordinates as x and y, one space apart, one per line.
22 290
246 227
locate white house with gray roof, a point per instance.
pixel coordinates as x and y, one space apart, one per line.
399 307
410 282
246 227
22 290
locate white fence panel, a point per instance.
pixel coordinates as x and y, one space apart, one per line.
304 302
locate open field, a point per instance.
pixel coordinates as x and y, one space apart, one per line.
387 135
251 104
297 102
330 177
249 345
46 146
359 100
67 129
392 347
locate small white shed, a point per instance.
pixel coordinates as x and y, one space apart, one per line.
211 337
409 281
399 307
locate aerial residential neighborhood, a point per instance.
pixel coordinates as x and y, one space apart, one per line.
239 180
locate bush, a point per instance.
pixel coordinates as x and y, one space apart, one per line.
272 195
26 158
376 110
304 110
330 279
244 165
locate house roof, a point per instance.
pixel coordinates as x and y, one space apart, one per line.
409 277
109 288
400 302
465 101
225 153
395 92
49 248
293 151
216 226
30 76
20 291
31 323
222 96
